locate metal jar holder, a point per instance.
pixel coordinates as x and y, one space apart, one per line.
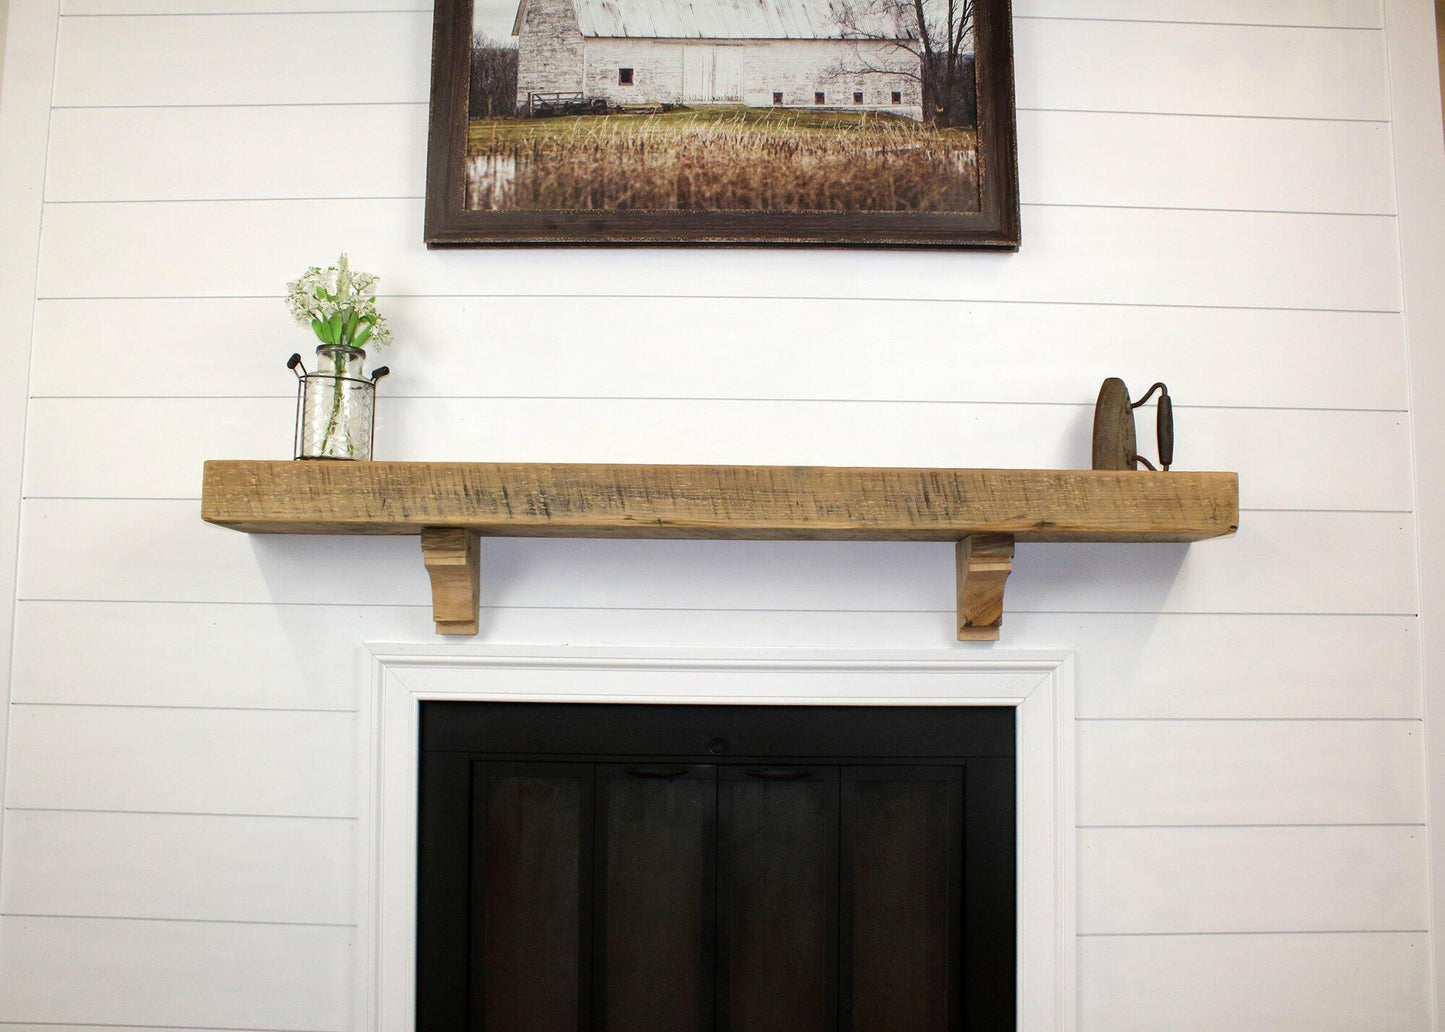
336 409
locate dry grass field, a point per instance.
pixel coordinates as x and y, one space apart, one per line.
722 159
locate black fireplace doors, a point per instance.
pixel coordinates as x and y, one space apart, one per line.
698 868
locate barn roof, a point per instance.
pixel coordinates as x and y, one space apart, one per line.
739 19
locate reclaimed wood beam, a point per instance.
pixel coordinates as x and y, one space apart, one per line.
760 502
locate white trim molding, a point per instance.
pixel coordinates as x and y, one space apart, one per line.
1410 38
28 35
1038 685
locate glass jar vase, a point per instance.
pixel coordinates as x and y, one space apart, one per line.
336 405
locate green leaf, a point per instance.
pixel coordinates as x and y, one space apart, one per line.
319 328
362 337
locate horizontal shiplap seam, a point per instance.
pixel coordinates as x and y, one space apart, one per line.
29 1026
299 104
1344 27
1247 720
280 604
415 103
183 706
269 198
1198 208
87 1026
1306 931
707 398
422 103
249 198
1421 825
187 707
245 199
1197 114
279 11
238 815
749 297
1201 826
273 11
254 199
328 924
714 609
177 920
259 104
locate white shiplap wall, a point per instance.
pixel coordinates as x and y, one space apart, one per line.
1209 199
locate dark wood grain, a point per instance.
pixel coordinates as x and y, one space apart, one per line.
990 879
531 936
654 932
764 502
778 900
995 226
444 844
902 899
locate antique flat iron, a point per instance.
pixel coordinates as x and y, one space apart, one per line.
1115 444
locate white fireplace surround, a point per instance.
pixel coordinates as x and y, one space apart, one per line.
1039 685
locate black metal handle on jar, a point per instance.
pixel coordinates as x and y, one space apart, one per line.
378 373
293 362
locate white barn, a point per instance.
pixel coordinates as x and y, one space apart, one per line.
761 53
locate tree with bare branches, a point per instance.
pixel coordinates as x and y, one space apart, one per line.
937 33
493 91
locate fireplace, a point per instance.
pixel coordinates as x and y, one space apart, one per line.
1036 686
690 868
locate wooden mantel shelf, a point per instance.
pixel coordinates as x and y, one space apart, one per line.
451 504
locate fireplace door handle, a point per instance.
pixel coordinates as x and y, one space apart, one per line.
779 773
656 772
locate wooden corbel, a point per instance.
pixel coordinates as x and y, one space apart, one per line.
984 563
453 562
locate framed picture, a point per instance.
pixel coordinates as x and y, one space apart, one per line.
846 123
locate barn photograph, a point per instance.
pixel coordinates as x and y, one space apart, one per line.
723 105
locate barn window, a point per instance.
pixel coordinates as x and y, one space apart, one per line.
624 76
858 97
897 97
777 96
818 98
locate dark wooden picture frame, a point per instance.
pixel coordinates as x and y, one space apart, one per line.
449 223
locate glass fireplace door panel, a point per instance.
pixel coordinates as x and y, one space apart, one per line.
715 869
655 858
777 899
531 865
901 875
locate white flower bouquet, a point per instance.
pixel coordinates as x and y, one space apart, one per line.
339 304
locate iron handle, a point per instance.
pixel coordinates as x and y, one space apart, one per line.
1165 423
